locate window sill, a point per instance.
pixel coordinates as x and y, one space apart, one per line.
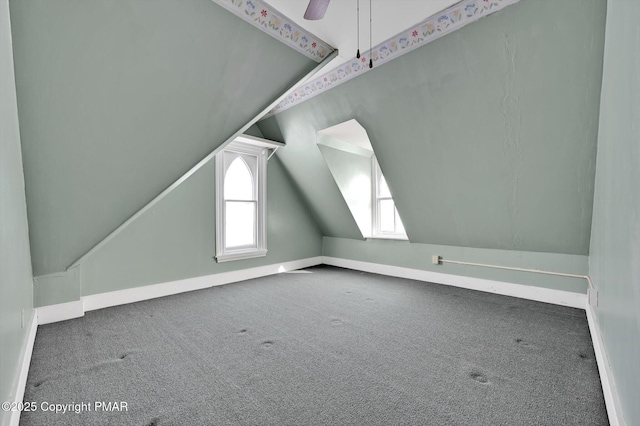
389 237
240 255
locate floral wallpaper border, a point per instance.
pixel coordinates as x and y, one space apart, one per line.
269 20
432 28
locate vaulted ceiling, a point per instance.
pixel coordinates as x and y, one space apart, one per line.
486 137
119 99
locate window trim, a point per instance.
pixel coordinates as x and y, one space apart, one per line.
248 146
375 216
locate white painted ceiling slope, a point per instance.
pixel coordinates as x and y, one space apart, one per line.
339 29
351 132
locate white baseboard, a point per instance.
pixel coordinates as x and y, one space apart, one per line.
59 312
121 297
556 297
75 309
25 361
611 399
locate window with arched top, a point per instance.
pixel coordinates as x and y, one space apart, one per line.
241 199
238 181
240 204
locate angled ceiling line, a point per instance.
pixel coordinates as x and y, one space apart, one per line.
418 35
318 68
270 21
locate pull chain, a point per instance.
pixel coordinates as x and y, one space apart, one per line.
370 38
358 26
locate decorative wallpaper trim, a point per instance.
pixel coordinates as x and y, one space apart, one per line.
432 28
269 20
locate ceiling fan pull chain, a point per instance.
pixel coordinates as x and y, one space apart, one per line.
358 26
370 37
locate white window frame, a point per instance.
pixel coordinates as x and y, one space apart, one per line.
375 215
258 148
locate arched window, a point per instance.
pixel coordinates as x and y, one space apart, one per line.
241 191
238 181
240 204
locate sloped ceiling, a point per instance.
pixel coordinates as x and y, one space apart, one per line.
352 133
486 137
118 99
351 166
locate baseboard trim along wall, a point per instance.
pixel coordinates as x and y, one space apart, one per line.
21 382
59 312
556 297
75 309
611 399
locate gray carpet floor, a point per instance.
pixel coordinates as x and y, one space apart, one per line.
322 346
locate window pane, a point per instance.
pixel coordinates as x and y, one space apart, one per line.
399 226
386 215
383 189
240 223
238 182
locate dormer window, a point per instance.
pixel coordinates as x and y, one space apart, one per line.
386 220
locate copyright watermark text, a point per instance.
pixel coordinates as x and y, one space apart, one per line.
71 407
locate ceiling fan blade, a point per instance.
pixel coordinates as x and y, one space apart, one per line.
316 9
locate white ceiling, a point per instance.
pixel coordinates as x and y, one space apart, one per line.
338 27
351 132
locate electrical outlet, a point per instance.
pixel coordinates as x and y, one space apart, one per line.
435 259
592 295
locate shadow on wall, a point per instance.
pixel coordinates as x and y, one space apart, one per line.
348 153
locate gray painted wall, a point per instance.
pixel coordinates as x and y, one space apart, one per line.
117 99
614 261
418 256
16 292
352 174
304 163
175 240
487 136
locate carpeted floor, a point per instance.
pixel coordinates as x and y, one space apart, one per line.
323 346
